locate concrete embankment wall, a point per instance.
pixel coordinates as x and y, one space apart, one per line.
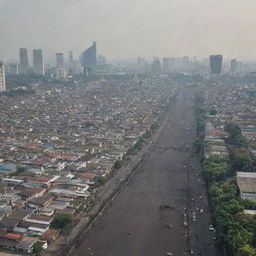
103 197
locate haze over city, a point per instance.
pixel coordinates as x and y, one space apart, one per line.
126 29
128 127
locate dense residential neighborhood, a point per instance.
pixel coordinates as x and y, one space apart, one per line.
59 143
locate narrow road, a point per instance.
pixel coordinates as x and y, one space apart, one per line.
147 218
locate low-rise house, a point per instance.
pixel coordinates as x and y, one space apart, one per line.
40 202
30 193
26 244
246 182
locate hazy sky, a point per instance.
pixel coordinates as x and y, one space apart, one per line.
130 28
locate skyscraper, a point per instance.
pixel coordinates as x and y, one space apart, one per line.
23 65
59 60
216 64
2 77
38 64
12 69
166 64
70 57
89 58
233 66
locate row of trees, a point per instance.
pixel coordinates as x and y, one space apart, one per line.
235 231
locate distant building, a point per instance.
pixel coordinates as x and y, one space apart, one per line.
89 58
156 65
70 57
38 64
23 65
166 64
61 74
233 66
60 60
216 64
12 69
2 77
101 60
185 60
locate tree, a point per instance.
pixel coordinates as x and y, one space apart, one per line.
20 169
213 112
214 168
245 250
62 221
238 237
37 248
99 181
118 164
235 136
241 159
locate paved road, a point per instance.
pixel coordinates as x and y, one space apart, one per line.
134 225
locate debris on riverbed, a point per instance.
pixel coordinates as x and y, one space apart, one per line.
165 207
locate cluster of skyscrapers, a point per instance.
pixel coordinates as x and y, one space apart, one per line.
38 63
89 62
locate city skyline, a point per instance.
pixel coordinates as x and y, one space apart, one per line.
131 28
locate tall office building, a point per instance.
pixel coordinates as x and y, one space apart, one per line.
70 57
101 60
156 65
233 66
166 64
89 58
59 60
38 64
12 69
23 65
216 64
2 77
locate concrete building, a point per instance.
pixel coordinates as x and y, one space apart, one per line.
2 77
233 66
246 182
60 60
156 65
12 69
70 57
23 65
166 64
101 60
216 64
61 74
89 58
38 64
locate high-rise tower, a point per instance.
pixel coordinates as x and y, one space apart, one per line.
89 58
59 60
2 77
216 64
38 64
23 65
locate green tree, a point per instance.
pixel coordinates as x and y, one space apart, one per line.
235 136
213 112
62 221
238 237
37 248
241 159
215 190
245 250
214 168
118 164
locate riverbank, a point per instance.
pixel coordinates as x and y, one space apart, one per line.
106 194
